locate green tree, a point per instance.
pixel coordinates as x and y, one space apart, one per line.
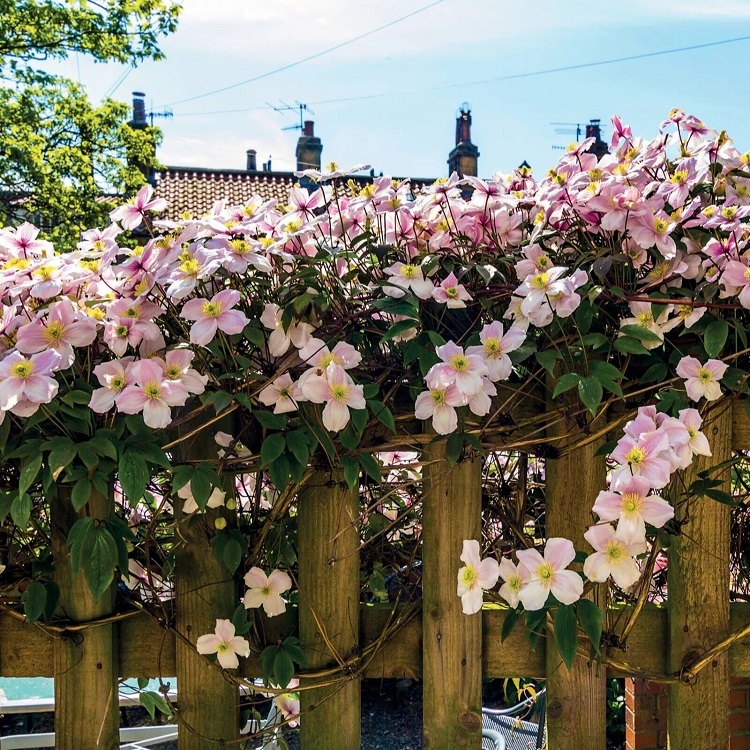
64 161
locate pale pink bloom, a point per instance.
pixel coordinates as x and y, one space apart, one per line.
23 243
46 279
113 377
61 330
266 591
536 291
476 576
403 277
514 577
213 315
298 334
217 499
152 394
643 316
304 203
465 371
225 644
316 354
27 382
614 556
288 704
736 277
440 405
651 230
176 368
451 293
643 456
702 381
535 261
480 402
495 347
566 301
282 393
632 507
548 575
334 388
131 214
698 442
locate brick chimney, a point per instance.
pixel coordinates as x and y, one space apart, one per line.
252 163
599 147
464 158
139 121
309 148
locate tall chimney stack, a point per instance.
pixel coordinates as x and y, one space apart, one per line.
309 148
599 147
252 164
464 158
139 121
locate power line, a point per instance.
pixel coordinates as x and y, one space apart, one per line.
496 79
119 81
310 57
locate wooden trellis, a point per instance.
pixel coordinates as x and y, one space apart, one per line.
449 651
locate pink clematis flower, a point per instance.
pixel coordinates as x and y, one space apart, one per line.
213 315
334 388
476 576
113 377
288 704
643 456
316 354
151 394
403 277
266 590
702 381
23 243
440 405
282 393
614 556
697 442
495 347
465 371
177 369
515 577
298 334
61 330
131 214
451 293
225 644
548 575
632 507
27 382
736 279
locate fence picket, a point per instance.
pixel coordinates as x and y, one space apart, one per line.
452 641
85 661
698 604
576 699
328 544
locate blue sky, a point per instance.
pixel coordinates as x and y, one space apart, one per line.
411 130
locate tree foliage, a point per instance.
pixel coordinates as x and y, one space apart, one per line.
64 161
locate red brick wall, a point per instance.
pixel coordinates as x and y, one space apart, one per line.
646 715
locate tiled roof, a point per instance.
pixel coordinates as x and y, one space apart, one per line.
195 189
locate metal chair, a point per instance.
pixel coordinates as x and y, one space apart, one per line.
503 729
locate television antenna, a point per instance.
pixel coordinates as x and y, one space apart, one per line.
296 107
165 114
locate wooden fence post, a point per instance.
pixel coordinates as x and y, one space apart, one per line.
451 640
698 713
86 667
576 699
208 704
328 544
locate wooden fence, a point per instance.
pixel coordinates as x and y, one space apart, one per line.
440 645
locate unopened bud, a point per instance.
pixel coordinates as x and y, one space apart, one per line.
220 523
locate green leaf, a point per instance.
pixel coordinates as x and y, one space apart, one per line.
152 701
240 621
232 556
81 493
454 445
359 418
53 597
60 457
383 414
271 448
269 420
590 393
283 669
134 476
20 510
435 338
640 333
565 383
34 599
547 359
654 374
591 617
371 466
29 472
120 531
715 336
76 538
350 466
629 345
279 471
566 633
299 446
604 370
398 329
509 623
99 561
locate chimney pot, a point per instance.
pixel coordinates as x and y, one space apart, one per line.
139 110
308 128
309 148
252 164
